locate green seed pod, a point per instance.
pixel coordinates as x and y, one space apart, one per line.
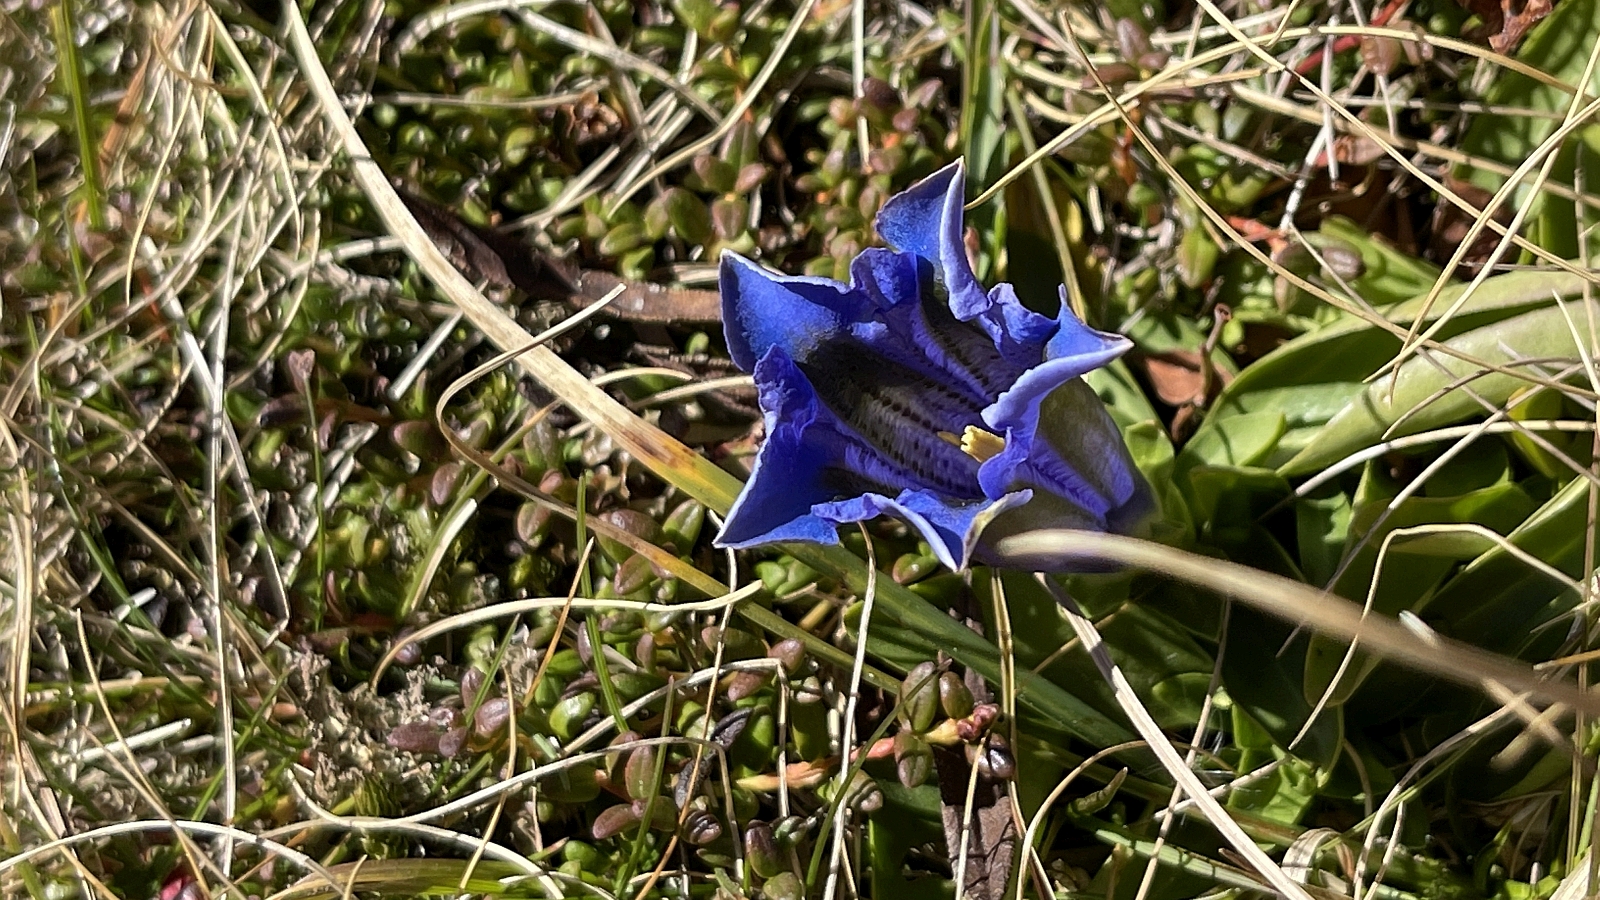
954 696
913 567
568 716
761 850
913 759
919 696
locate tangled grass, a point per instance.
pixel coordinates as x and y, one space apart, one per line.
338 560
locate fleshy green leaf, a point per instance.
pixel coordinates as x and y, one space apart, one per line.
1422 395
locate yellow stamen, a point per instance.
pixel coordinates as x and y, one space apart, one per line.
981 445
975 442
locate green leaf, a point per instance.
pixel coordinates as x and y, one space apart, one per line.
1413 567
1321 528
1499 601
1420 396
1228 503
1311 379
909 817
907 629
1284 795
1242 440
1261 668
1151 648
407 877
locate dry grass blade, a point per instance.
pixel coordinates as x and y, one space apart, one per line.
1174 764
657 451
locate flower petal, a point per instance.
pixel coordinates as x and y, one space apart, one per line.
790 470
1068 449
812 457
1073 350
951 528
924 336
761 310
926 221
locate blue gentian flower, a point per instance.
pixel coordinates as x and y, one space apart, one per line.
914 392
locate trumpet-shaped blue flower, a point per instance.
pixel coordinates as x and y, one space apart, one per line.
914 392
